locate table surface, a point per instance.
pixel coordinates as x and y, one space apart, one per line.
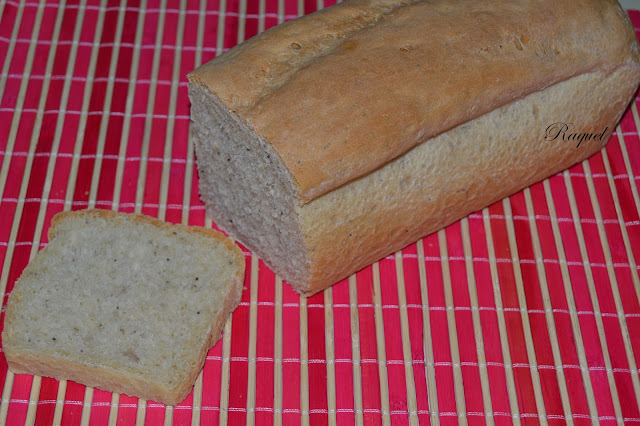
525 312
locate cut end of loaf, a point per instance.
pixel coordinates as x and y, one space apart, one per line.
246 189
122 302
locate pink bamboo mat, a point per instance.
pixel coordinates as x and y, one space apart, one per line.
525 313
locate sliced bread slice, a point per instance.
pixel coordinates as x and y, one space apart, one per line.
123 302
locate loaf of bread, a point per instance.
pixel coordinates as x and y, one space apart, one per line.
125 303
333 140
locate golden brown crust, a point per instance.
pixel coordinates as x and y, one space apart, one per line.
462 171
136 217
382 76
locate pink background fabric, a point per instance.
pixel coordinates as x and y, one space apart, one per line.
514 362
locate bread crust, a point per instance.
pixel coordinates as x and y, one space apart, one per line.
23 359
462 171
136 217
363 82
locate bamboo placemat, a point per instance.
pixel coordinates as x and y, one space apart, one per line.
526 312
